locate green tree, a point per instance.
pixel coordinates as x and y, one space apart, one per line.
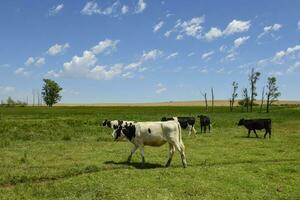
272 92
50 92
253 77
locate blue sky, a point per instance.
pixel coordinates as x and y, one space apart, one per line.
146 51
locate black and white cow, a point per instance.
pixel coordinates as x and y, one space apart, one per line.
154 134
114 124
204 122
185 122
257 124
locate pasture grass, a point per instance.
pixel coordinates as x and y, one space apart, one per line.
63 152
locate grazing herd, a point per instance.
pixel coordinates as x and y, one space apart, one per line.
168 130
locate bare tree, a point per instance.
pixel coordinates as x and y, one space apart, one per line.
262 99
33 97
38 98
272 93
205 98
233 95
253 77
212 99
245 100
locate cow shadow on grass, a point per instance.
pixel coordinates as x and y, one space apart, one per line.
136 165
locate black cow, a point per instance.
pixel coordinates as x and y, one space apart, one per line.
256 124
204 122
185 122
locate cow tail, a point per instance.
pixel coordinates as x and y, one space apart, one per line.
180 137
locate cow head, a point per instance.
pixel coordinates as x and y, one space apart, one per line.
201 116
127 130
241 122
106 123
118 130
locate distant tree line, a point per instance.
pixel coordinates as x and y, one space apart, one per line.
11 103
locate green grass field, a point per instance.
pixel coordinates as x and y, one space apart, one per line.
62 152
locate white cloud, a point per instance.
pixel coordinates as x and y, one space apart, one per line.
222 48
128 75
38 61
92 7
56 9
84 66
168 33
141 6
169 15
231 56
191 54
116 9
172 55
213 33
152 55
241 40
191 27
160 88
298 25
291 51
105 72
179 37
133 66
52 73
80 66
158 26
237 26
124 9
106 45
294 67
29 61
6 90
270 29
57 49
21 71
207 55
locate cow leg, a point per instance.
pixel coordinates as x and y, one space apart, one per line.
190 129
142 154
255 133
266 133
249 132
171 153
180 148
209 128
204 128
132 152
201 128
194 130
269 133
